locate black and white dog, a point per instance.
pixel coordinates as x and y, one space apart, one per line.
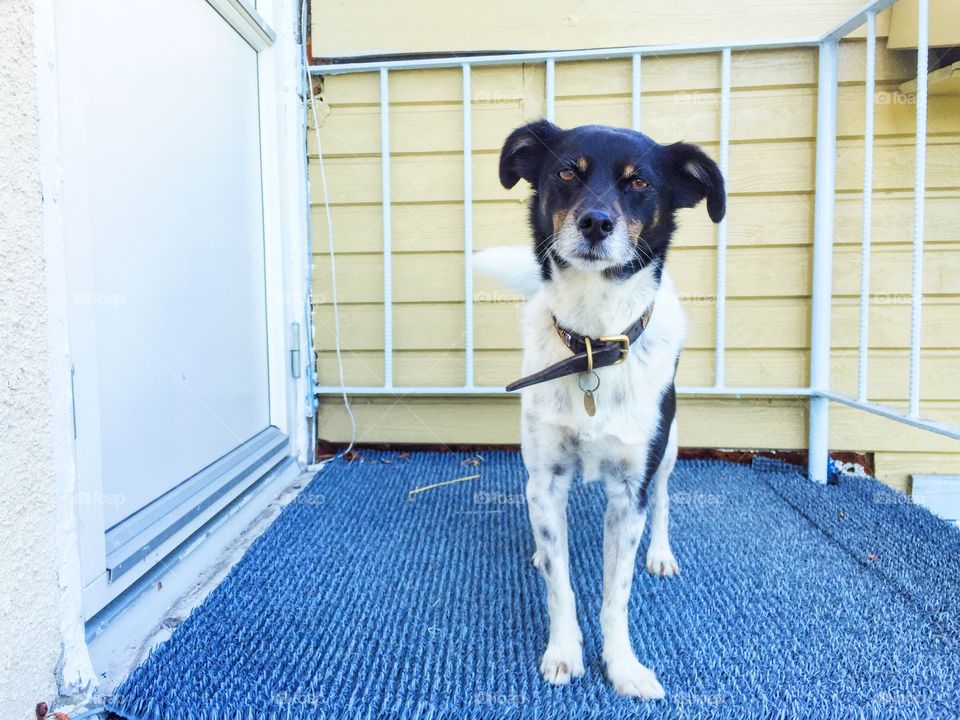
602 215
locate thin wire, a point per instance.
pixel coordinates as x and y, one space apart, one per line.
333 259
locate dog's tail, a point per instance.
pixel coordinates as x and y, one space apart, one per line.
514 266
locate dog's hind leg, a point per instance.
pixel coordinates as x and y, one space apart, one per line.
547 491
660 558
622 528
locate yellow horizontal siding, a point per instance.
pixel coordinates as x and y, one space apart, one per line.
426 26
761 220
756 167
756 114
694 268
770 229
760 424
888 369
751 323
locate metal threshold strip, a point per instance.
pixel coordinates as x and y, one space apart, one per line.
133 538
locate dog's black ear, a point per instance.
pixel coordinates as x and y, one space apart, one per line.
696 177
524 152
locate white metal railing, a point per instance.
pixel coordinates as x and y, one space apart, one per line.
819 390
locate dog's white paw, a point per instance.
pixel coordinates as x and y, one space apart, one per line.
562 661
660 561
629 677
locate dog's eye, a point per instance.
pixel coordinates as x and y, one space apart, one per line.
567 175
638 184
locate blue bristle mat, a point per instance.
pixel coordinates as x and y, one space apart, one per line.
795 601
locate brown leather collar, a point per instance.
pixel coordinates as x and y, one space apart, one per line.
588 353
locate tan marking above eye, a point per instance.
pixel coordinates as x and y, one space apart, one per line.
567 174
628 170
582 164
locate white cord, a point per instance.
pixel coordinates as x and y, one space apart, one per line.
333 259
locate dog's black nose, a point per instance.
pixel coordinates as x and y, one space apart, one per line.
595 225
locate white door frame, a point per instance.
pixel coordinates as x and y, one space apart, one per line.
280 70
285 256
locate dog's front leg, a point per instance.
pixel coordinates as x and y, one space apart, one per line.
547 491
660 558
623 526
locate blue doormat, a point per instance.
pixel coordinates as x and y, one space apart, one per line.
795 601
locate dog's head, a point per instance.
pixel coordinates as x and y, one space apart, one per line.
604 198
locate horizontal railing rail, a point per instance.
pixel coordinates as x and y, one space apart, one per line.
818 391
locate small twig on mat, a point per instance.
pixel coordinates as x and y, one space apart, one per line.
436 485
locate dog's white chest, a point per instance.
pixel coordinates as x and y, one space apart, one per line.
628 396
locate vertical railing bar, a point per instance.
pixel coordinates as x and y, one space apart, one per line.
721 305
919 191
821 296
468 222
387 228
866 224
635 92
550 90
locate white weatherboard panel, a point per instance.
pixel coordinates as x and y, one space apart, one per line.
940 494
163 215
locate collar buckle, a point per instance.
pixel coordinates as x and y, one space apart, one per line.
624 345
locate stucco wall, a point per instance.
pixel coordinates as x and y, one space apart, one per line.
29 610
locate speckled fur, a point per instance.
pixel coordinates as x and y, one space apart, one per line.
595 286
557 436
